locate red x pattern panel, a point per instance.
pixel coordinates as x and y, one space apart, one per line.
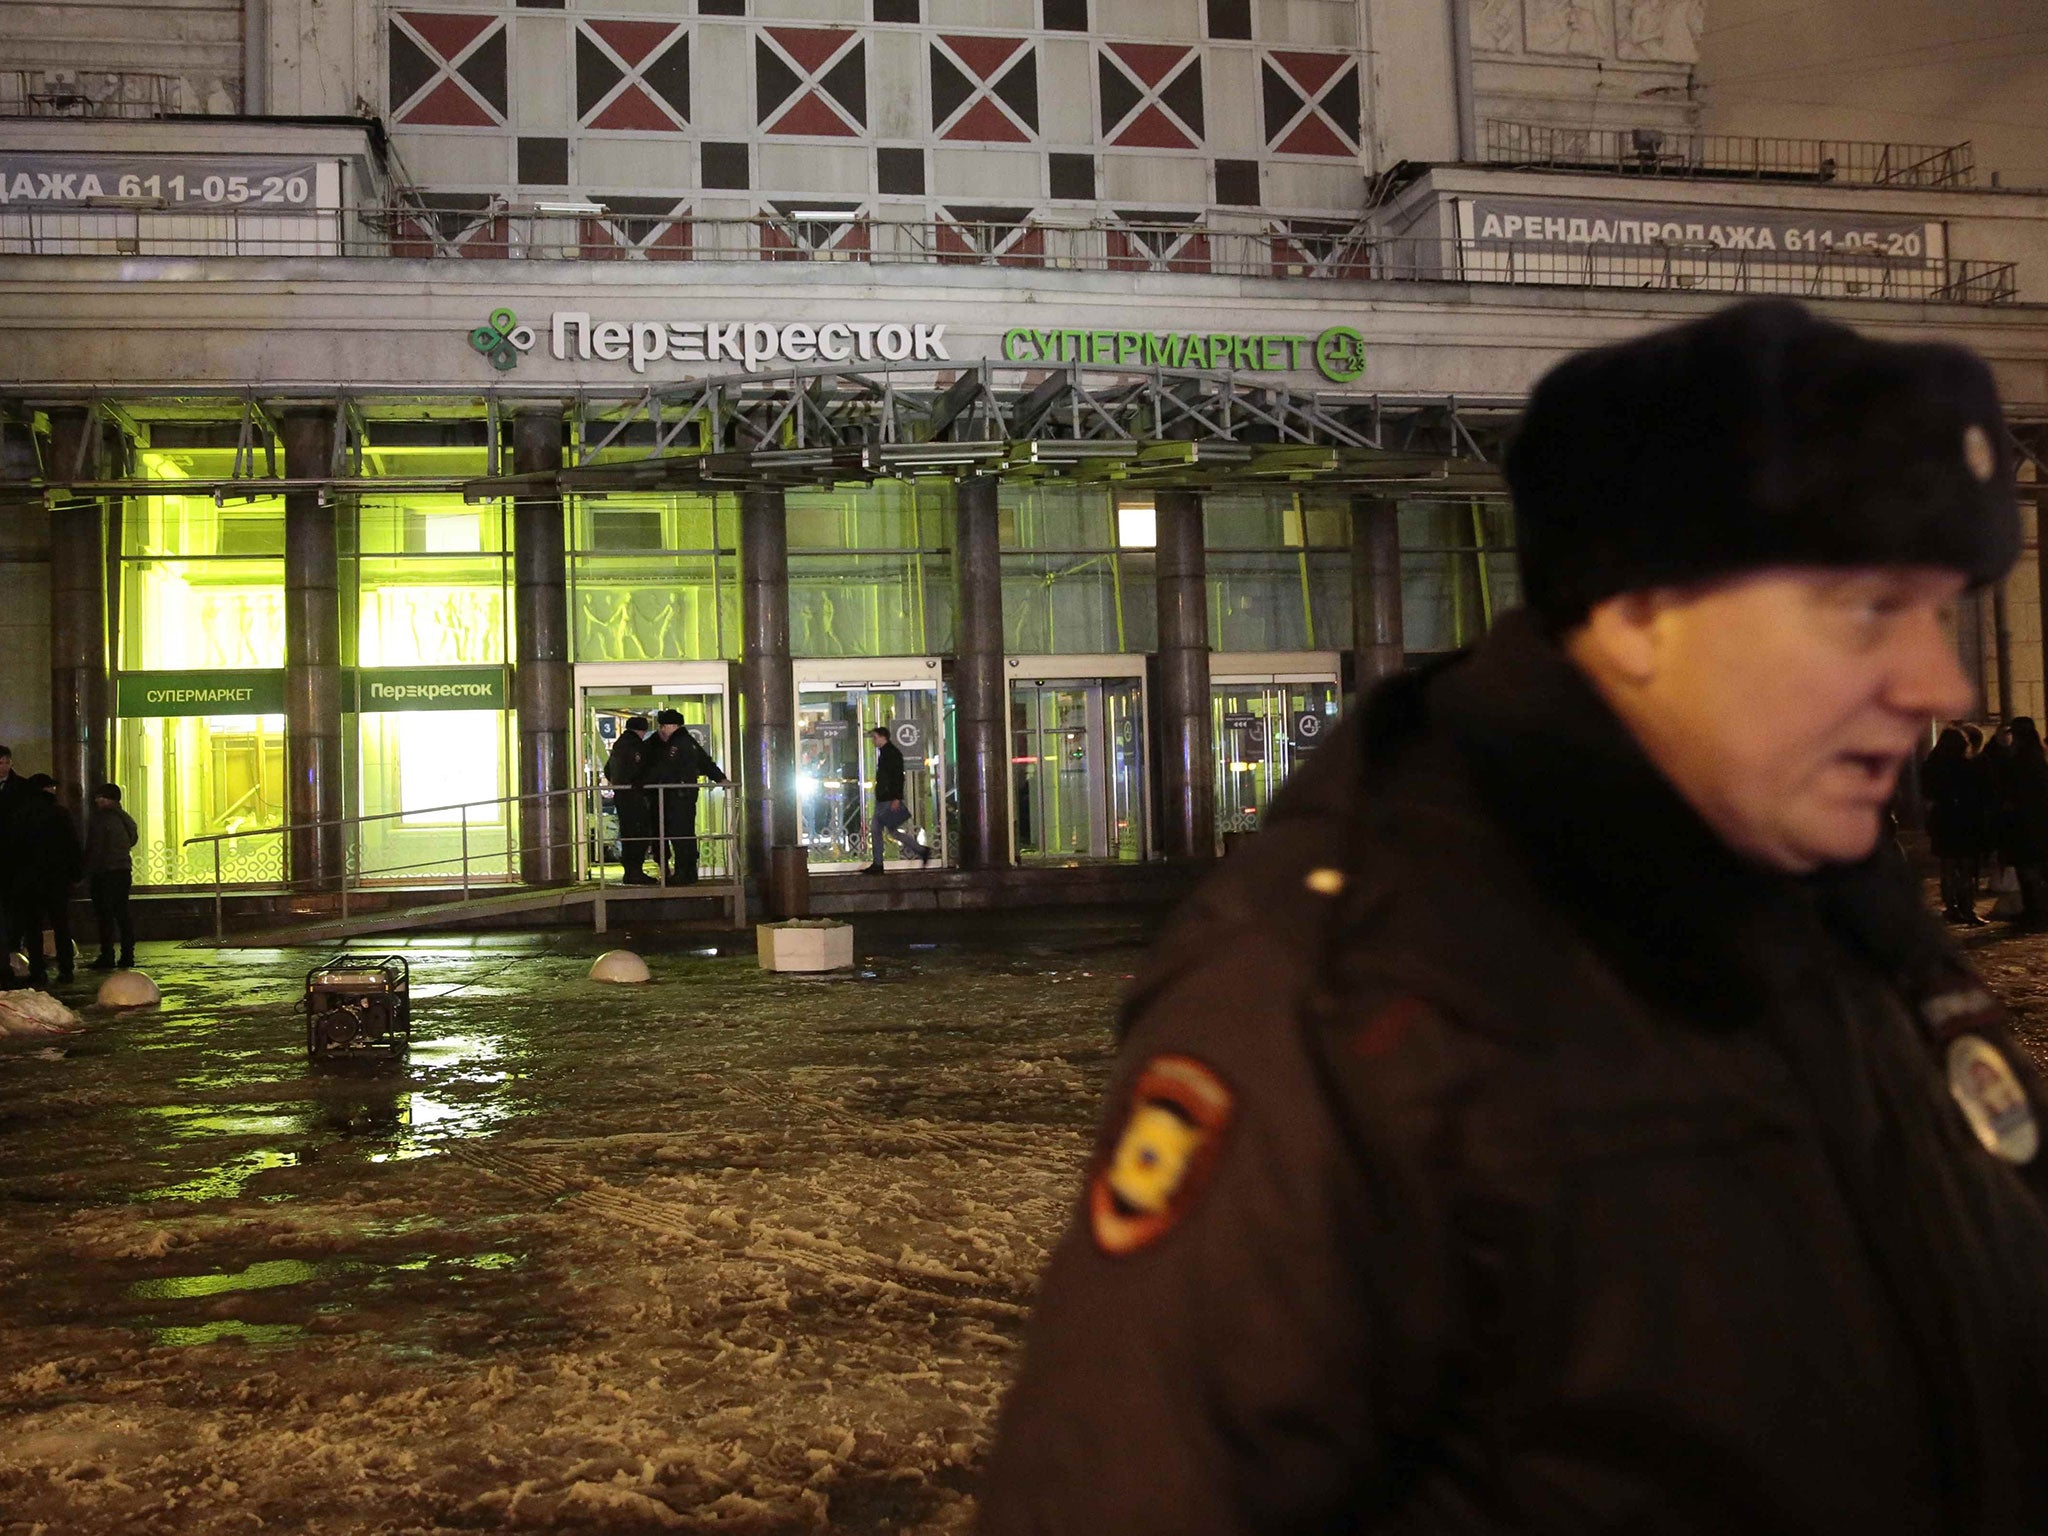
633 76
447 69
1151 95
984 89
811 82
1311 102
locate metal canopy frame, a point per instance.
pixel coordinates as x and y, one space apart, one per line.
816 426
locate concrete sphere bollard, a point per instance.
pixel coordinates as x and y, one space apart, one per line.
620 965
129 989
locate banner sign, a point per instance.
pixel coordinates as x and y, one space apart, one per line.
140 695
382 690
1494 222
75 180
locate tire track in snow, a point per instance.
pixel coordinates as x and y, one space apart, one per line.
836 1263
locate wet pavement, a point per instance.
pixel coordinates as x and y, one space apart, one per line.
731 1251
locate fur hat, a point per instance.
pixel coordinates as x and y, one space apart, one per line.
1758 436
669 717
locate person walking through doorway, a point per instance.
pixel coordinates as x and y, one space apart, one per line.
626 771
675 762
109 873
892 814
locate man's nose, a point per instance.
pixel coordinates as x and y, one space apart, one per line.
1930 680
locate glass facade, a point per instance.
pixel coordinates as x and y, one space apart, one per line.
427 584
201 590
1076 579
871 570
431 584
1458 570
1279 571
654 578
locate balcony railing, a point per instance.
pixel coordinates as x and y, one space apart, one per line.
1662 152
88 93
1303 249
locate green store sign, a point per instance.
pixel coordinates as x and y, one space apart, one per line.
1338 353
139 695
373 690
395 688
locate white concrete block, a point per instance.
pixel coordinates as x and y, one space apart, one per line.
805 945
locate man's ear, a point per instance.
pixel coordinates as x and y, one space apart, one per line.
1619 639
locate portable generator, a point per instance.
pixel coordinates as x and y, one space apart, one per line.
358 1008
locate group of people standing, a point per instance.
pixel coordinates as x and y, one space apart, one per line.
42 858
654 772
1987 811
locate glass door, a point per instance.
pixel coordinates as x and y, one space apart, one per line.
605 704
1077 769
1263 729
838 704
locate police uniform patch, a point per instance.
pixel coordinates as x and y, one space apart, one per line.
1978 454
1171 1134
1989 1093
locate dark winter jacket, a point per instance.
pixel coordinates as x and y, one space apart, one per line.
678 760
44 847
627 761
888 773
2025 837
109 835
1953 787
1556 1172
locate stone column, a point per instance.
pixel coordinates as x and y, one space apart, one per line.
767 685
312 652
541 684
1376 640
81 701
1187 758
981 715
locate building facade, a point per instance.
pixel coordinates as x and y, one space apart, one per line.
396 398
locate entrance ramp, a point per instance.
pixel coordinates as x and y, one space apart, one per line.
565 842
586 901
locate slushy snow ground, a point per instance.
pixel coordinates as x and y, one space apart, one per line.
732 1252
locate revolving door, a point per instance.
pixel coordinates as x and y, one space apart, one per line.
837 704
1268 711
608 694
1078 790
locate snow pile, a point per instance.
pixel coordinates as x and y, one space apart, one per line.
24 1013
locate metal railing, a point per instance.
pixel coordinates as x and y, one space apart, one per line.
1327 252
1714 269
1667 152
89 93
490 849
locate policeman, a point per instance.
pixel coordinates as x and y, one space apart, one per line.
625 770
673 764
1559 1121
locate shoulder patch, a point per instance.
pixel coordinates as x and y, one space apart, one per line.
1990 1095
1172 1133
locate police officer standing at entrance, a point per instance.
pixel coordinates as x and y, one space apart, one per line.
625 769
674 763
1557 1120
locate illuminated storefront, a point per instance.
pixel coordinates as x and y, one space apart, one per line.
653 598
